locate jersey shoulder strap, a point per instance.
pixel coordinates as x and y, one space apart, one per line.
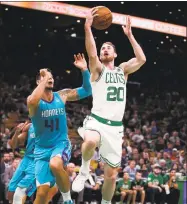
102 71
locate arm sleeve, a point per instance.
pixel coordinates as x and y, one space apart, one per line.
85 90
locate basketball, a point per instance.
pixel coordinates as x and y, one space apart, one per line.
104 18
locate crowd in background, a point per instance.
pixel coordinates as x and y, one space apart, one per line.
155 135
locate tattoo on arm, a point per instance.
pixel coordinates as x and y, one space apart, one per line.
71 94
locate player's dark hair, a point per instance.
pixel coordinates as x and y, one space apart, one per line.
111 44
38 74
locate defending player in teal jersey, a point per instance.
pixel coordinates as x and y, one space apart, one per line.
23 182
48 115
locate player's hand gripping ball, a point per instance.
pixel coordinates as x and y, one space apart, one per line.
104 18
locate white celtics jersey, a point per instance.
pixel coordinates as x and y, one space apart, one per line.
109 94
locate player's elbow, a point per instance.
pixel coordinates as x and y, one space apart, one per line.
142 60
89 91
86 94
31 101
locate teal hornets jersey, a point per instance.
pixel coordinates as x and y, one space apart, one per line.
29 152
50 122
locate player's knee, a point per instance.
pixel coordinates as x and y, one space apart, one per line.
111 174
56 164
142 192
42 192
111 177
90 144
134 192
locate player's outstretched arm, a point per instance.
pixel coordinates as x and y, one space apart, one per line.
94 63
34 98
135 63
85 90
20 135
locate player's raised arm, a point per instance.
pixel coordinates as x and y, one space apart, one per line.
34 98
94 63
135 63
20 135
85 90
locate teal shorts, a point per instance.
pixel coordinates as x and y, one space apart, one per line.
43 156
24 177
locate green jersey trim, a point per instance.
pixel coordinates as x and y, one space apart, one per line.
109 163
106 121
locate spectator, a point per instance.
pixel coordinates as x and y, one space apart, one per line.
123 189
158 157
174 193
131 169
71 171
153 128
138 186
184 169
124 158
178 144
92 191
163 166
76 158
145 156
166 157
11 154
78 197
10 171
143 145
5 163
141 163
174 137
174 154
137 137
155 186
3 166
175 166
144 170
5 138
169 148
100 170
182 157
183 135
160 144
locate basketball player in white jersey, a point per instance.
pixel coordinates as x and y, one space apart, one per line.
103 128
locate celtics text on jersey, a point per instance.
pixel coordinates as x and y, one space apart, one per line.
109 94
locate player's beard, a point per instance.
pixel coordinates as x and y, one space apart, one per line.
107 59
48 88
